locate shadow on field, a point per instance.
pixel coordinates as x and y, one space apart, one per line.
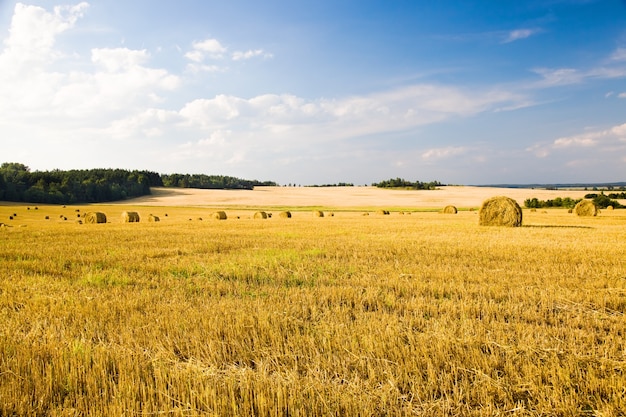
556 226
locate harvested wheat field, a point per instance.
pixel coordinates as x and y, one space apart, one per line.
344 315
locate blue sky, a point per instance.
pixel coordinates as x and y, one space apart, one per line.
313 92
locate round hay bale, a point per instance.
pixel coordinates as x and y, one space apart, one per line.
609 207
260 215
130 217
219 215
449 210
153 219
47 217
318 213
95 217
570 211
79 221
382 212
500 211
285 214
533 210
365 214
586 208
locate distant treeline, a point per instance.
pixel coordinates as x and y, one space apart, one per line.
19 184
402 183
339 184
600 200
211 182
609 195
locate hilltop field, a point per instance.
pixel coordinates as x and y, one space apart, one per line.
357 313
344 197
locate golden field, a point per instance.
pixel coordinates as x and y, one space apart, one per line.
420 313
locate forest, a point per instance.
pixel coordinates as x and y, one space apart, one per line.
19 184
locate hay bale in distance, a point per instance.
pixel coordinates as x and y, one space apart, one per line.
130 217
219 215
153 219
586 208
260 215
318 213
500 211
93 217
285 214
609 208
382 212
449 210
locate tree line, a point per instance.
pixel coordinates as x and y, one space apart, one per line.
600 200
211 182
402 183
18 183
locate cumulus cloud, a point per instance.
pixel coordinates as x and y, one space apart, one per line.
33 31
31 87
208 47
518 34
595 138
341 118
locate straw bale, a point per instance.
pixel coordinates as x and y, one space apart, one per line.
95 217
449 210
219 215
500 211
153 219
318 213
260 215
586 208
130 217
285 214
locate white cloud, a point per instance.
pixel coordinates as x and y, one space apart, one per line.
559 76
604 138
113 82
619 55
440 153
32 35
341 118
518 34
622 95
208 47
240 55
613 68
116 59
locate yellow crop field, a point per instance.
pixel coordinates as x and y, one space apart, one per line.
413 314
